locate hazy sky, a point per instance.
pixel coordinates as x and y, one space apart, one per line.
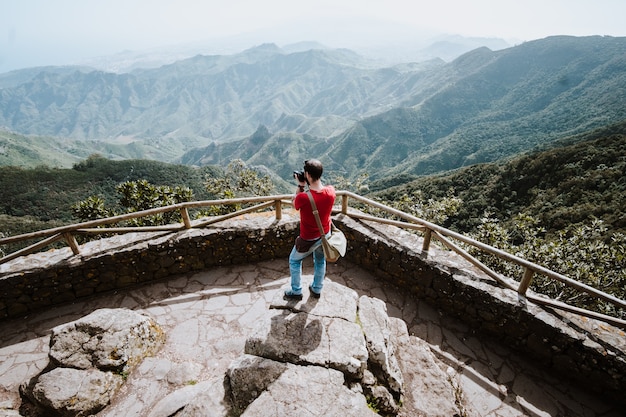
42 32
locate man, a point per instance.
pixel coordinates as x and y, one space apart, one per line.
309 241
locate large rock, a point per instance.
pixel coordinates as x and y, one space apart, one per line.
107 339
432 391
249 376
310 358
206 399
382 352
309 391
305 339
74 392
89 359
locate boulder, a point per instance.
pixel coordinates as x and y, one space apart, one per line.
89 360
249 376
107 339
309 391
382 352
313 357
205 399
432 389
75 392
305 339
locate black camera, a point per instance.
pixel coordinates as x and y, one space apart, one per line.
299 175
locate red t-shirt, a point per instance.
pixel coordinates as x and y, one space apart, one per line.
324 200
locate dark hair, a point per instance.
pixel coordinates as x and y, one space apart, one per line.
314 168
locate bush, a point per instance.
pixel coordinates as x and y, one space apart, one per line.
581 253
137 196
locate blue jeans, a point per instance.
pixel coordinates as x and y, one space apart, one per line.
319 267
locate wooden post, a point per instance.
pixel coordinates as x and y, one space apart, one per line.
427 235
525 282
185 213
344 204
71 240
279 209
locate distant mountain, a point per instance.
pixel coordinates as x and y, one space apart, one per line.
444 47
482 107
197 100
15 78
404 120
406 47
494 105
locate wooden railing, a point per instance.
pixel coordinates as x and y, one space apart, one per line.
429 230
68 233
444 235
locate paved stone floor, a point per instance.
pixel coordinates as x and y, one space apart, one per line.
207 317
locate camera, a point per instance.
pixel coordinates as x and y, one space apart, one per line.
299 175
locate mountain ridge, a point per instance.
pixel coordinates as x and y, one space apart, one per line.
410 119
502 103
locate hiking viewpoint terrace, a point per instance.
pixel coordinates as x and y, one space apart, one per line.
210 283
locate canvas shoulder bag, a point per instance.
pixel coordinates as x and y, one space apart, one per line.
335 246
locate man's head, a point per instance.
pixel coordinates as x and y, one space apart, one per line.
314 168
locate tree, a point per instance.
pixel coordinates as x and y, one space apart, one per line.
580 253
238 181
137 196
432 210
141 195
359 185
91 209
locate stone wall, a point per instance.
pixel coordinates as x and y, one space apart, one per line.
439 277
49 278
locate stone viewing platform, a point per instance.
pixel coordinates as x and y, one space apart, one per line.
220 317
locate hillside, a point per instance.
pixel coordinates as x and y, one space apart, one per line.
409 119
191 101
41 197
32 151
482 107
571 182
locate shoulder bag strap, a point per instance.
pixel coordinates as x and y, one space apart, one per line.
317 215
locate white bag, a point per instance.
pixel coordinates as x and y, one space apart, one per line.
335 246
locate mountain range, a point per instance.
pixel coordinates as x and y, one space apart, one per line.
274 108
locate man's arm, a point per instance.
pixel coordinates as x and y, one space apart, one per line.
299 189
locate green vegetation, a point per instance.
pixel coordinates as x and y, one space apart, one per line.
581 253
564 186
237 181
562 208
43 197
137 196
372 403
